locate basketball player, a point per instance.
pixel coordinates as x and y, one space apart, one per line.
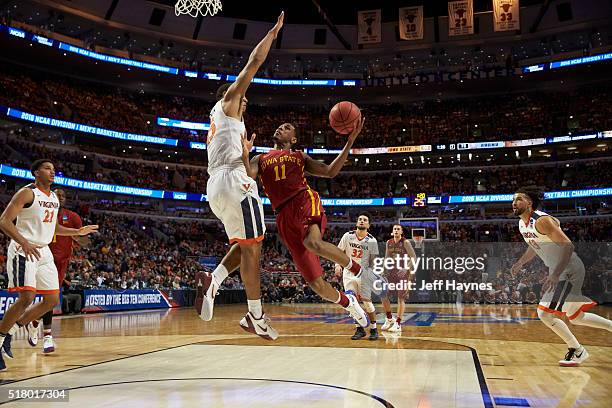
562 290
30 264
234 198
61 248
300 216
362 248
397 246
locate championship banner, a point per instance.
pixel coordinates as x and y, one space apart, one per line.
460 18
97 300
411 23
506 15
369 28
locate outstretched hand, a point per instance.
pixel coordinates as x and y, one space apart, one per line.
88 229
357 127
247 145
279 24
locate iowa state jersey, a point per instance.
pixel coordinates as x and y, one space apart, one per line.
224 143
282 175
36 223
61 247
544 247
362 250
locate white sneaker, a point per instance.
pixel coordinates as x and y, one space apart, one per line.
388 323
395 327
356 312
260 327
574 357
205 296
32 329
48 344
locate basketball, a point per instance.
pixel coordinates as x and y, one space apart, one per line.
343 116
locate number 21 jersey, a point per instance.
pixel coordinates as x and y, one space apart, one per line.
37 221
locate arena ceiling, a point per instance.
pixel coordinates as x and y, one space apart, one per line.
340 12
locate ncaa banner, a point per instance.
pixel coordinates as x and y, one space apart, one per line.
506 15
411 23
460 17
369 28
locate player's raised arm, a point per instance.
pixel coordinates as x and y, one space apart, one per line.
234 94
71 232
18 202
320 169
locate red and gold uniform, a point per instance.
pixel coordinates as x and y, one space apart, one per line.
297 206
395 275
61 247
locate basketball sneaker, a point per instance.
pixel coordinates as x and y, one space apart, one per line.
356 312
205 295
388 323
574 357
6 345
260 327
395 327
32 329
48 344
373 334
359 333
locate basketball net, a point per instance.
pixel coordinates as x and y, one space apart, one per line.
195 7
418 242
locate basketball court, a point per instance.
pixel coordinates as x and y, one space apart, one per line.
475 356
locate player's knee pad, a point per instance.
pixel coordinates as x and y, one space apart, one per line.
369 307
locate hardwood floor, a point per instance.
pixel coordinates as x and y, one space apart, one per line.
481 355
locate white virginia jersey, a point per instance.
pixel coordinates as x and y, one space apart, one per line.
224 144
362 250
37 222
543 246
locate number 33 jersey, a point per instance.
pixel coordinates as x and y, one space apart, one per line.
37 221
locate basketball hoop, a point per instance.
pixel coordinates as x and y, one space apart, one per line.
418 241
195 7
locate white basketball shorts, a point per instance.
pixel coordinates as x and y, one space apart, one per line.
566 297
234 199
37 276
